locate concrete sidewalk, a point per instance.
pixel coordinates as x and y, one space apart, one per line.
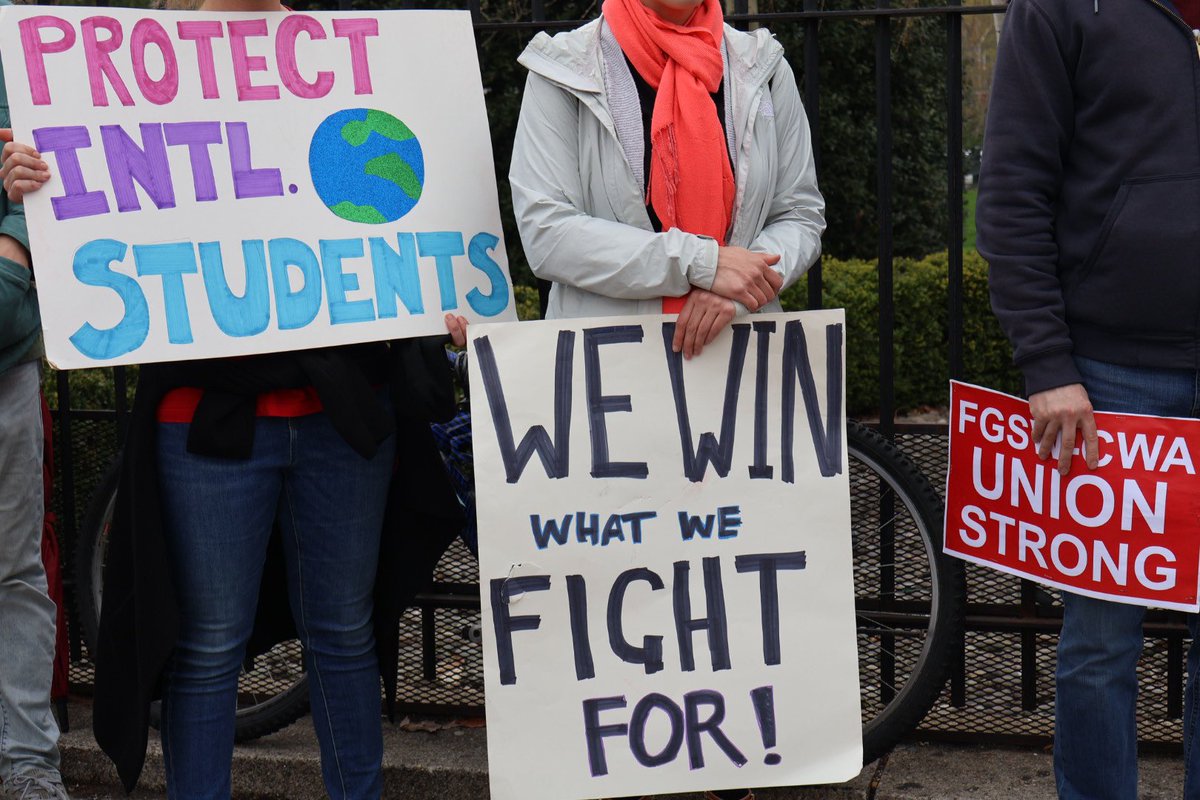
452 765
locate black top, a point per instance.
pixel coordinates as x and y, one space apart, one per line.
139 618
1090 188
647 95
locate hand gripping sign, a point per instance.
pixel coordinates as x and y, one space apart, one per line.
1126 531
664 557
228 184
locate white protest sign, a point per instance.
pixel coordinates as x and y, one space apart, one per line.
665 559
228 184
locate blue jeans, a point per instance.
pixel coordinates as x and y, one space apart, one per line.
329 503
1095 744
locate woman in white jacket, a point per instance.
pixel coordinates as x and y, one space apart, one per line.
603 210
663 163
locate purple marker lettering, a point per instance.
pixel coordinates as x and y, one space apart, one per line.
76 201
36 49
197 136
147 165
248 181
202 32
148 32
285 56
356 32
99 63
244 63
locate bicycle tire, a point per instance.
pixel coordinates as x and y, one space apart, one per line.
909 596
280 669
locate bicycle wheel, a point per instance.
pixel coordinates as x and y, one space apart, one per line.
909 596
272 688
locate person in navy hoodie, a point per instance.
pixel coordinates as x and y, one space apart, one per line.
1089 218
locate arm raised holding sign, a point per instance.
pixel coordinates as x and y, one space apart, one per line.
228 460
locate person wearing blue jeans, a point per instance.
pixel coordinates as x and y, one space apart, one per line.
29 758
1101 641
221 457
1089 219
219 514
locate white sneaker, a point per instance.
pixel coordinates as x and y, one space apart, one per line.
35 784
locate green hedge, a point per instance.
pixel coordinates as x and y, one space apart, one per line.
921 337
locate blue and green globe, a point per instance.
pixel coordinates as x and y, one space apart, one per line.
367 166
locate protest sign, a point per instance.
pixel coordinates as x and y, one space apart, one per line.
228 184
665 557
1126 531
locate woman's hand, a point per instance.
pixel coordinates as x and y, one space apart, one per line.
22 170
747 277
458 329
704 316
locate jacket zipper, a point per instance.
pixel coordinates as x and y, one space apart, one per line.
1195 34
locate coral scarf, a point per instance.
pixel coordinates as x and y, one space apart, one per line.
691 182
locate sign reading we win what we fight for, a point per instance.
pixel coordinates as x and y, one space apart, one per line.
228 184
665 557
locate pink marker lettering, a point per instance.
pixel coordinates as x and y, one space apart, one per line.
285 55
36 49
202 33
148 32
244 64
99 63
356 32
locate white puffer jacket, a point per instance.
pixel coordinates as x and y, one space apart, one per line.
578 175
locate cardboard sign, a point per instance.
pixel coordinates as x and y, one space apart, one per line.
228 184
1126 531
665 557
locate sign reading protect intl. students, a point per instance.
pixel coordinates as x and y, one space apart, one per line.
1126 531
228 184
665 557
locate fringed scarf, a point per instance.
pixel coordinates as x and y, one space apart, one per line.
691 181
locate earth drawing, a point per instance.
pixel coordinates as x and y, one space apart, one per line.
366 165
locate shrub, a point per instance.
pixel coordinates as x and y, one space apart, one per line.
921 333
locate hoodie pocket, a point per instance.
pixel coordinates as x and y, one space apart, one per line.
1142 274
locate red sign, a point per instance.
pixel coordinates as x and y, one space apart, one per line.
1128 530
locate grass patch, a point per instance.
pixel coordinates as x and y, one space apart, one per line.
969 201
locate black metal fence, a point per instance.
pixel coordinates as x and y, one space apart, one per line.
1001 688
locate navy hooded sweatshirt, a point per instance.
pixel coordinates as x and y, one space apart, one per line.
1089 193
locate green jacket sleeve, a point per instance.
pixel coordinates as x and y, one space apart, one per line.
18 306
12 217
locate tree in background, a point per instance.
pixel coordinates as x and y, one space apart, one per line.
847 175
848 129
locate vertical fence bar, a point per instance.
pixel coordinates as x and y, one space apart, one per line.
954 245
741 8
120 404
883 123
812 103
428 642
1028 647
887 499
954 185
66 456
539 10
1176 674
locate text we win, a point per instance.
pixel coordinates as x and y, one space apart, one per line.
777 366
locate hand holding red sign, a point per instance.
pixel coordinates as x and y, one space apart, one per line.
1124 531
1064 410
